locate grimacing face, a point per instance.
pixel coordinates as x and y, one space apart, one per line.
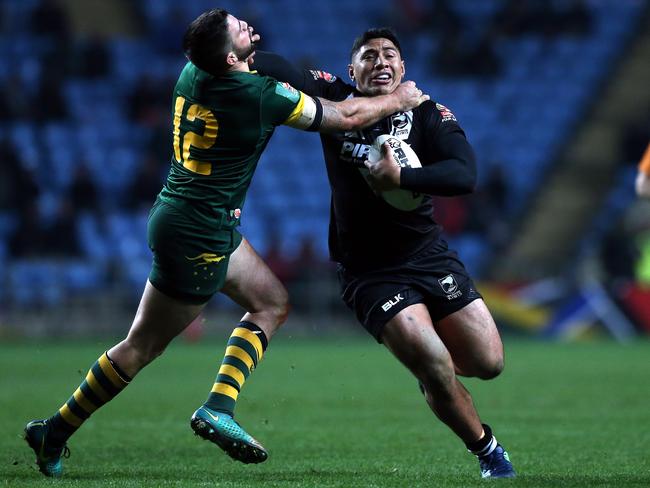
377 68
243 40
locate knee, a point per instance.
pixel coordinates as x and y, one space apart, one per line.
280 308
490 368
281 313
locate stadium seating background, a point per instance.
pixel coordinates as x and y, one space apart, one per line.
518 119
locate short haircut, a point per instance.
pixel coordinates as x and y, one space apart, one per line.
375 33
206 42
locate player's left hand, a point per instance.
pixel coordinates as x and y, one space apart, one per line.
384 174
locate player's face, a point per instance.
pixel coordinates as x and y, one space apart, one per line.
243 39
377 68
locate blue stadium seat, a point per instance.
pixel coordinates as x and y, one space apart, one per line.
91 235
80 276
127 235
517 120
34 283
137 273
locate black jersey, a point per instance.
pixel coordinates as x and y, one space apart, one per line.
366 231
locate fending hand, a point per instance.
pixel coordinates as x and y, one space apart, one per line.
410 96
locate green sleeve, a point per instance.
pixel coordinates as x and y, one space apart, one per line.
280 102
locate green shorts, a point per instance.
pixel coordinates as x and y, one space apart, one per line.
190 259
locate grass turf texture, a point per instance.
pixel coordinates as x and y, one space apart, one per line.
335 413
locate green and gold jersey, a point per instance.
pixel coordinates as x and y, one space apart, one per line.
221 127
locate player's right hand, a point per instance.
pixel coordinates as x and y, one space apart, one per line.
410 96
384 175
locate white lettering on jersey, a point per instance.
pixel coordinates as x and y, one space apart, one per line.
350 151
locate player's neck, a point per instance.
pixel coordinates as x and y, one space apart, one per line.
239 66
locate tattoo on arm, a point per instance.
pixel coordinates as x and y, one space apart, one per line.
333 119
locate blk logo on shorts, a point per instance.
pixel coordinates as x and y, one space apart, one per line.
392 302
450 287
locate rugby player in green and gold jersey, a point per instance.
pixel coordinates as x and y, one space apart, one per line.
223 117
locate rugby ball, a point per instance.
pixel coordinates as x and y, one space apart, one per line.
403 156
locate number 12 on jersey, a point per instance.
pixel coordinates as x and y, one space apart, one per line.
199 119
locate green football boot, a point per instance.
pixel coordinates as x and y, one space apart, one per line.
48 455
224 431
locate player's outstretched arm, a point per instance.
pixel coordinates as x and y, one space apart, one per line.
278 67
454 175
360 112
319 114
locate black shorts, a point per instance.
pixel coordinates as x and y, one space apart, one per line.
435 278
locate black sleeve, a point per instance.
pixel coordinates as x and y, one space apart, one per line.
274 65
314 83
448 160
318 118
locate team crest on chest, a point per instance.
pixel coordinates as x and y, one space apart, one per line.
356 144
401 124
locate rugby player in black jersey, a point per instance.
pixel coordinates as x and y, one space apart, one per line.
397 274
223 118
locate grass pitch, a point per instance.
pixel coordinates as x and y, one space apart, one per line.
338 413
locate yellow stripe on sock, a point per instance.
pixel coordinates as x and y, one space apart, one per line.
241 354
83 402
70 417
225 390
110 372
96 387
249 336
233 372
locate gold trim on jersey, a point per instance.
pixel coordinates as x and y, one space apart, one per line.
304 114
297 111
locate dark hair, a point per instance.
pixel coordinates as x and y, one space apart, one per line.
375 33
207 41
